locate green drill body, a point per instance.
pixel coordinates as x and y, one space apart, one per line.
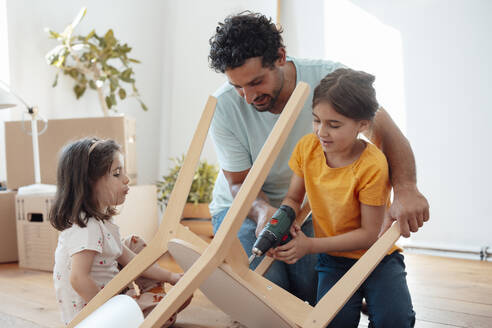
275 232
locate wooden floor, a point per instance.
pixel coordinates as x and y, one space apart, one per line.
446 293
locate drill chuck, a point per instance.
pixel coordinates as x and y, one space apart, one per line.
265 240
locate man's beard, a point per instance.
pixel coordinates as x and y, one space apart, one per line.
273 99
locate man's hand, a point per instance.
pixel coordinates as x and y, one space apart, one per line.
410 208
295 249
263 217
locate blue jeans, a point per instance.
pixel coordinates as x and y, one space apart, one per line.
385 290
299 279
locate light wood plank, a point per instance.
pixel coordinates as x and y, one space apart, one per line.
220 245
169 225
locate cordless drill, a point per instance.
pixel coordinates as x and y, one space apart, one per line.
275 232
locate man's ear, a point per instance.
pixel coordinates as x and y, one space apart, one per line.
282 57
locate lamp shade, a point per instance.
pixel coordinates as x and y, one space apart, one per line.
7 100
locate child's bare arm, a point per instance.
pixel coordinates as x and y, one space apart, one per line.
361 238
295 194
80 277
153 272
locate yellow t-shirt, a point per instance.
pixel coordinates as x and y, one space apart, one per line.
335 194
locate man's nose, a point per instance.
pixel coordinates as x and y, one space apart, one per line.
248 94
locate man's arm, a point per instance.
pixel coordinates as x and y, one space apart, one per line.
409 206
261 210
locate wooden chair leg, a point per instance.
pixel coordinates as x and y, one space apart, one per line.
219 247
338 295
170 225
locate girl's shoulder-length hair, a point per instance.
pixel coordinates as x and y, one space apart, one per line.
81 164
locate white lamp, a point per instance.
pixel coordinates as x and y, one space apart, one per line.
9 99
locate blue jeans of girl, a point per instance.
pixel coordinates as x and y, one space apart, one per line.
385 290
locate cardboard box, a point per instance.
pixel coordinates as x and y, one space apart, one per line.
36 237
8 235
139 214
18 148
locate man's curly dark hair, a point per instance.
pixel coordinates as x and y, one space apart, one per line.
243 36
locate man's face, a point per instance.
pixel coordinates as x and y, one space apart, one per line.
259 86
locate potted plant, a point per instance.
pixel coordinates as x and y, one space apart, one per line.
98 62
200 192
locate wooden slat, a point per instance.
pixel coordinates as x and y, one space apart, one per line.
219 247
170 221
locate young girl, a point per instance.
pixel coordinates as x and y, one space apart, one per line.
347 183
91 182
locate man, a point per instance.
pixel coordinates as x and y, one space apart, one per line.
249 49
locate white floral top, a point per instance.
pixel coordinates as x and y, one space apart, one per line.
104 238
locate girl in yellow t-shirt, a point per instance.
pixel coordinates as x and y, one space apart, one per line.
347 183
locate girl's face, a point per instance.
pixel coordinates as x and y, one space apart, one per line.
336 133
111 189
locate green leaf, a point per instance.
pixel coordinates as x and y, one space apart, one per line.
113 83
79 17
144 107
113 99
53 34
90 35
109 38
134 60
122 93
55 82
92 85
79 90
126 76
108 101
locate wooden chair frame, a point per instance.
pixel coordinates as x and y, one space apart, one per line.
170 226
292 311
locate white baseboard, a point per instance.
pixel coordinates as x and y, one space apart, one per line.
480 253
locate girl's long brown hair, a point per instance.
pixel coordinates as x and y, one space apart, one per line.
78 170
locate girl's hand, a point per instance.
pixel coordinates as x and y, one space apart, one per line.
295 249
294 229
174 278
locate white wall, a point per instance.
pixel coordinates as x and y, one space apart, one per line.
303 24
188 81
139 23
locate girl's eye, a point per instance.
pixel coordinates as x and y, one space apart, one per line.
315 120
333 126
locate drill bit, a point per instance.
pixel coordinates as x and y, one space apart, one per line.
251 258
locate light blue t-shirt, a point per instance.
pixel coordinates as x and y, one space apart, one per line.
239 131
